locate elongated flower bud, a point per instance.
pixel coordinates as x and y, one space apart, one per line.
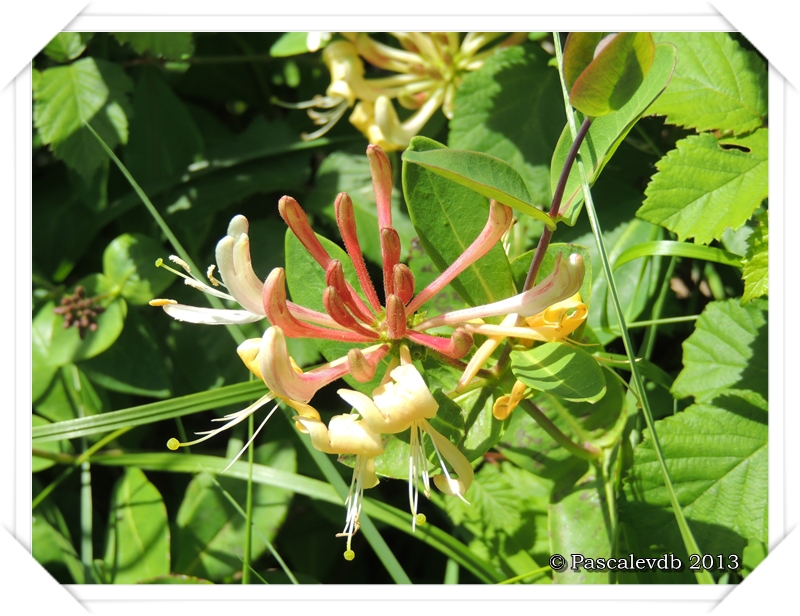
335 307
345 218
363 366
390 252
381 171
403 282
296 219
395 317
455 347
334 277
564 281
277 310
500 219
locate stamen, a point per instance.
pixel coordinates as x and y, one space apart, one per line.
192 281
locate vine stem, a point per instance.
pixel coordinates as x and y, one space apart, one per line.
703 577
586 452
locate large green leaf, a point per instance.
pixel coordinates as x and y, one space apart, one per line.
756 261
723 491
209 535
134 364
578 523
727 351
493 114
55 552
137 546
616 71
164 139
717 85
169 45
705 185
345 172
87 91
129 261
506 518
606 133
561 370
448 217
486 175
67 46
58 405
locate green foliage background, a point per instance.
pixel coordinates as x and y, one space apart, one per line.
681 197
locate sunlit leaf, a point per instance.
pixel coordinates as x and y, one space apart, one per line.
705 185
561 370
756 261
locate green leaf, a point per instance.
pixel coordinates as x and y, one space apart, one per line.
290 44
487 175
678 249
599 423
506 518
578 54
705 185
135 364
578 525
137 546
129 260
717 85
209 533
86 91
605 135
57 405
723 492
448 217
55 552
346 172
57 346
756 261
169 45
493 114
727 351
164 139
67 46
614 74
561 370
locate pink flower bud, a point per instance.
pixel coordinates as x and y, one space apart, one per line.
334 277
390 252
403 282
363 366
454 347
296 219
345 218
381 171
335 307
395 317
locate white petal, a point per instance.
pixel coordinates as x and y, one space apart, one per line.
210 316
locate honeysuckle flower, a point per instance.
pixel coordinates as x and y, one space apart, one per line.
424 74
347 434
405 403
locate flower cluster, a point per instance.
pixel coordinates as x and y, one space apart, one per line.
377 332
423 75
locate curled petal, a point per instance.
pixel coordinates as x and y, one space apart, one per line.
565 280
345 434
210 316
505 405
279 373
500 219
446 482
395 405
233 260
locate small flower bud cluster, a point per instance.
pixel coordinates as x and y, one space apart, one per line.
80 311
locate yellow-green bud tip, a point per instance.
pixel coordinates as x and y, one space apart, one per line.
349 555
421 519
173 444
